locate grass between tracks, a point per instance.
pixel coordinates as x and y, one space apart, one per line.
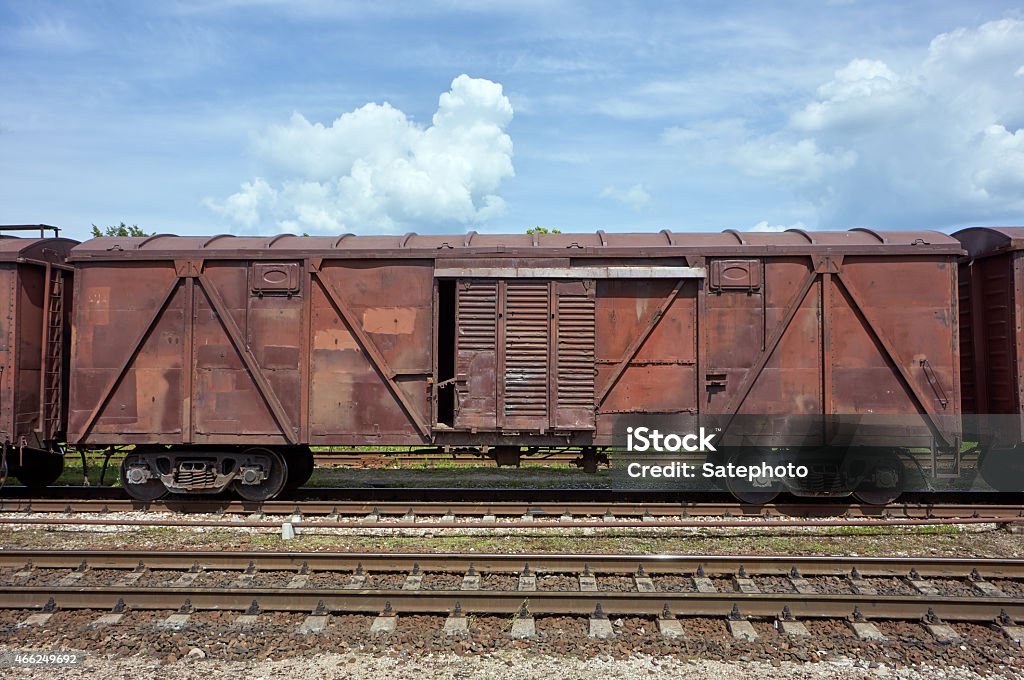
841 541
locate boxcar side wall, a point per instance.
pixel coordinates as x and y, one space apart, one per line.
355 351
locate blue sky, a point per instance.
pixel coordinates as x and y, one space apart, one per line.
253 116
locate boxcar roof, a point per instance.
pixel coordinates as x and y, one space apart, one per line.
652 244
16 249
985 241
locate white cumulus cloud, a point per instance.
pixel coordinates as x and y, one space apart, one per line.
636 196
374 168
930 144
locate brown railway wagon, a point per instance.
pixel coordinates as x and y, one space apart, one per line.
225 354
992 349
35 311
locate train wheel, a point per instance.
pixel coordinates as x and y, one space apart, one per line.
41 469
149 489
756 491
300 466
884 480
265 463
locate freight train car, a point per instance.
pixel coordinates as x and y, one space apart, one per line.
222 359
35 315
992 350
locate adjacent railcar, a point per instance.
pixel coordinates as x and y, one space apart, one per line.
992 349
35 315
223 359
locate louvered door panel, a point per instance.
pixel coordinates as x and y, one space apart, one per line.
476 354
575 373
527 323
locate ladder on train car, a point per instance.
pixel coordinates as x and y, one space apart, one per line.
53 369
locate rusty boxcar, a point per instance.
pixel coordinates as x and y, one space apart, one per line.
35 310
223 359
992 349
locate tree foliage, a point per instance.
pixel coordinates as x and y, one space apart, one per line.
543 230
119 230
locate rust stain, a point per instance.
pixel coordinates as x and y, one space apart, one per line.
390 320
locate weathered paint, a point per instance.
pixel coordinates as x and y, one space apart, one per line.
331 340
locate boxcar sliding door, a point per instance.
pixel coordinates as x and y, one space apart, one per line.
524 355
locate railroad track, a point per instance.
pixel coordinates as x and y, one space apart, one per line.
664 587
502 515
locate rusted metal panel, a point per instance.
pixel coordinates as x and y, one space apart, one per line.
526 347
646 334
574 378
883 333
126 354
476 354
734 326
371 352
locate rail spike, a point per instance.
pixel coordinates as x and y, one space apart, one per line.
457 612
599 612
186 607
857 615
524 610
931 617
735 614
321 608
51 606
787 614
388 611
700 571
254 609
120 607
666 613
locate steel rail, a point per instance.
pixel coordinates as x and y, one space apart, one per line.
712 565
518 508
905 607
752 523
